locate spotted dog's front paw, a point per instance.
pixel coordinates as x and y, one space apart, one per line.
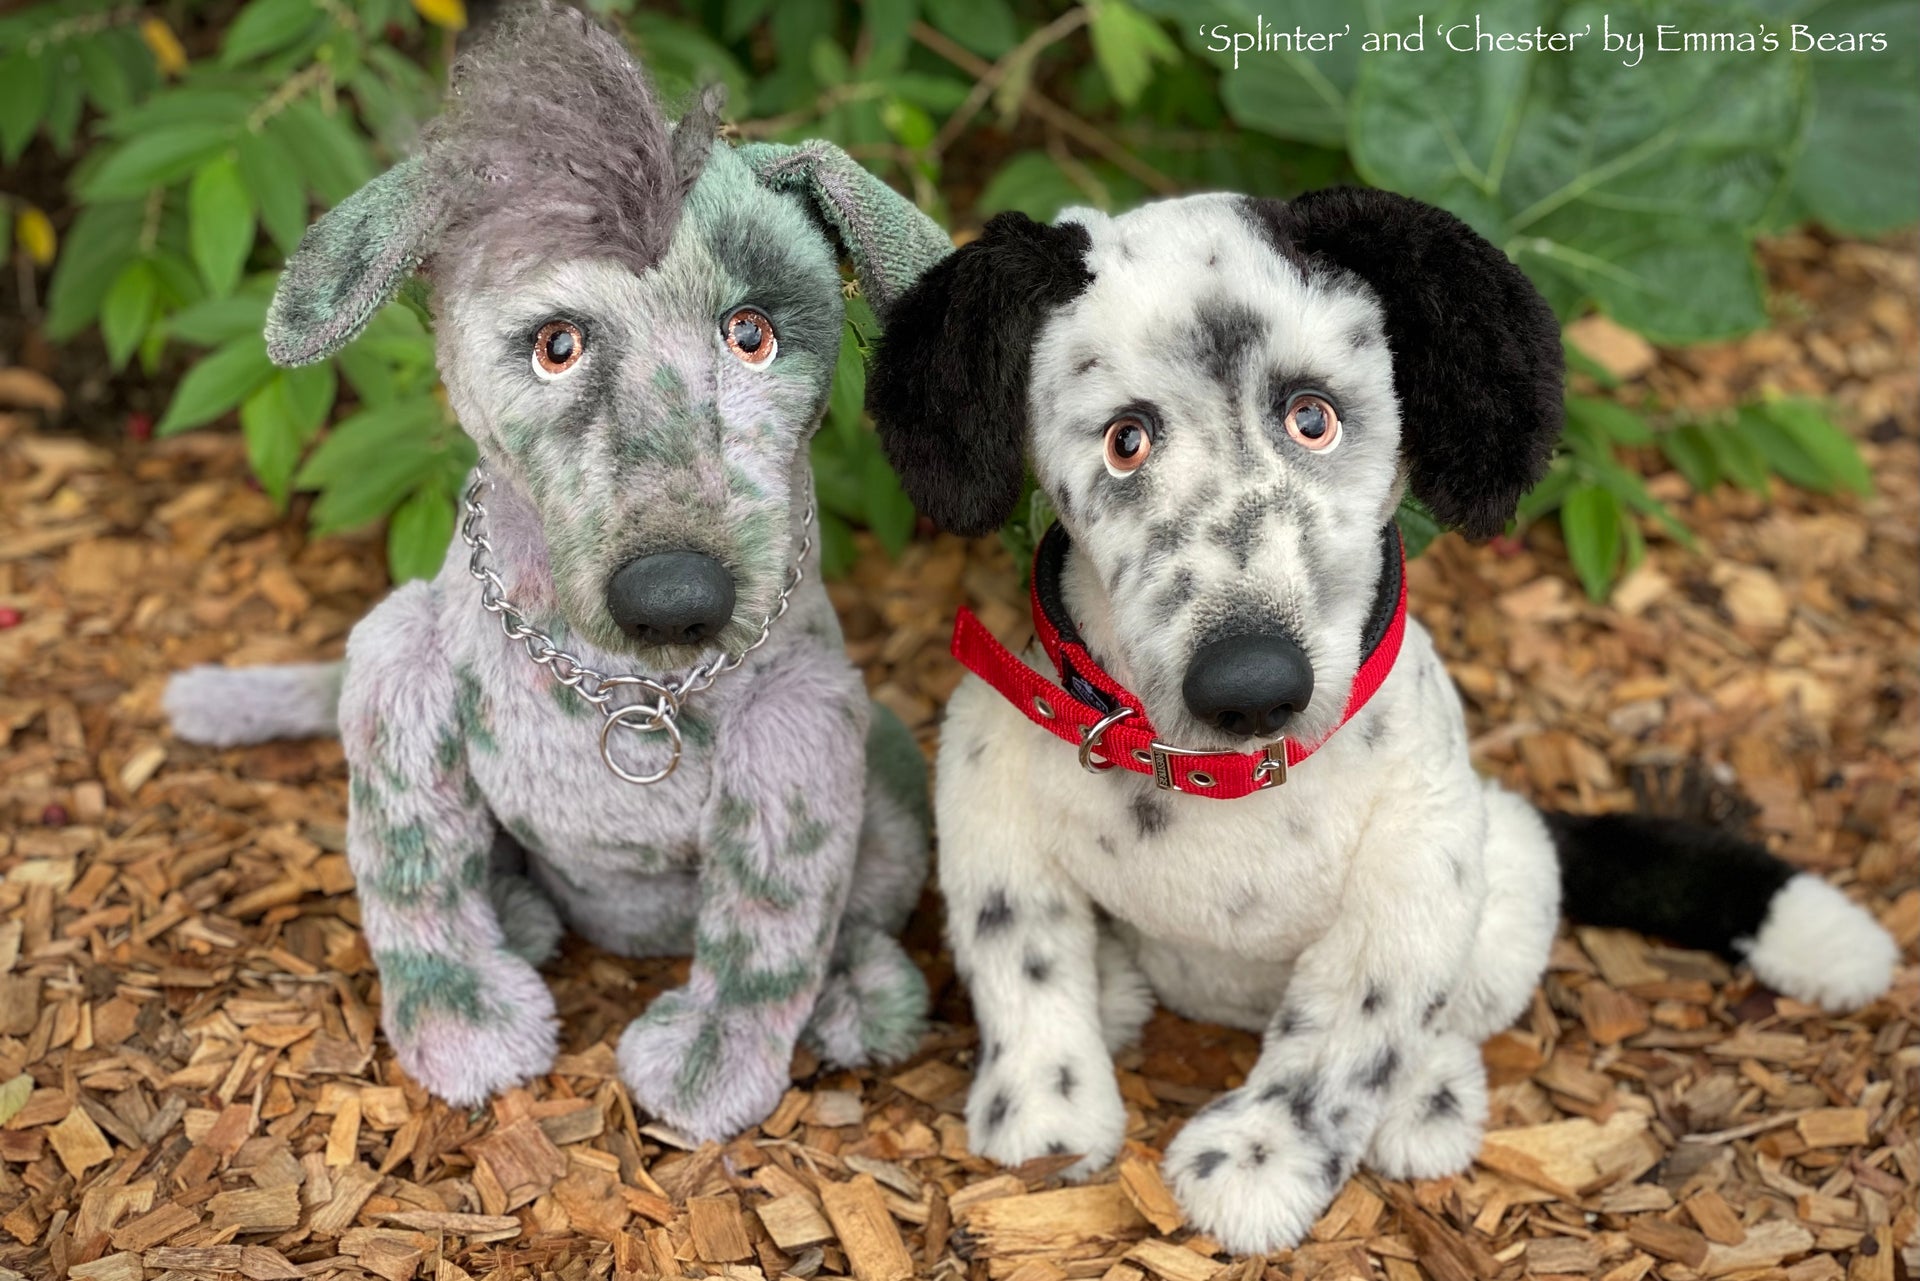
1433 1120
1252 1177
1041 1106
710 1074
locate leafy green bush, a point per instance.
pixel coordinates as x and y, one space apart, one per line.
1636 190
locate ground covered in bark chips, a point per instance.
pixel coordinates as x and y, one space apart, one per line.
193 1084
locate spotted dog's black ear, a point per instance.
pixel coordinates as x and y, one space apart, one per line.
948 383
1477 363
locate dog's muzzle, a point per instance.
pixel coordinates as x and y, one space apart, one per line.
671 598
1250 685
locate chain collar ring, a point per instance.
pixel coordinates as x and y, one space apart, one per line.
658 716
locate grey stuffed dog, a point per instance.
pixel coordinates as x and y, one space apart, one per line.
638 327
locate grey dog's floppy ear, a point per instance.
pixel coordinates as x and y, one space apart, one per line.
353 260
948 385
888 240
1477 362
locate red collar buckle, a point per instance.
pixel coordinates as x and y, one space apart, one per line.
1107 722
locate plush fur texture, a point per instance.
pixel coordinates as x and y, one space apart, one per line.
1383 911
1477 363
948 387
788 847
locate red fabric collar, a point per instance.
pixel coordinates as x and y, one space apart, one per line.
1108 723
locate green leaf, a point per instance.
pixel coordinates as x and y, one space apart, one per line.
127 310
333 156
1636 187
23 97
217 383
372 461
1854 170
277 190
1739 457
418 534
104 76
985 27
1298 95
266 26
837 551
1590 521
849 384
889 511
1691 453
1032 184
102 240
1127 44
1418 528
273 437
1614 421
1832 450
1547 495
218 320
157 158
220 219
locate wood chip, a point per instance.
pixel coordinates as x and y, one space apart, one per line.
1666 1240
79 1143
718 1228
794 1222
1069 1223
1141 1179
1834 1128
858 1213
1175 1263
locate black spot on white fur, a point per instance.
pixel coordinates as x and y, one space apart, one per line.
996 914
1375 997
1038 969
1442 1104
1207 1162
997 1111
1223 335
1433 1009
1149 815
1380 1075
1066 1082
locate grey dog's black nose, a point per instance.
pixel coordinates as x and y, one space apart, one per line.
1248 685
671 598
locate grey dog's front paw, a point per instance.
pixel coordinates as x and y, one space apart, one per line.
1017 1111
1251 1178
468 1030
709 1075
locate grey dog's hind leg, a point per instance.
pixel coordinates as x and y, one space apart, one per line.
873 1005
228 706
528 918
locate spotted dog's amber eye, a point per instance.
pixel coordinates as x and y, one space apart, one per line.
750 336
1312 421
557 348
1128 444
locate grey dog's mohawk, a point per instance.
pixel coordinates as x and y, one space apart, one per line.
558 137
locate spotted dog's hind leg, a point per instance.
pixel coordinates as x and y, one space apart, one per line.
873 1005
466 1013
1436 1113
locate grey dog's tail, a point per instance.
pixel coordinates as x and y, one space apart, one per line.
228 706
1703 886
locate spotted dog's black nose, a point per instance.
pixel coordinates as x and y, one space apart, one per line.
1248 685
671 598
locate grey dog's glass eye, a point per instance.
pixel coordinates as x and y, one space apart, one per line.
750 336
1312 422
558 347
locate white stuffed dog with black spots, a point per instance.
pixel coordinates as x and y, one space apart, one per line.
1264 812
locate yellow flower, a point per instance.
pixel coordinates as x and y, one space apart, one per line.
34 232
451 14
167 53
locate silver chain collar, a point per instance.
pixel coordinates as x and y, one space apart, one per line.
661 715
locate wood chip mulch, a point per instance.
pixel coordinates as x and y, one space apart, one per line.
192 1085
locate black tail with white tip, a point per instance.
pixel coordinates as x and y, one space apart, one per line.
1702 886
